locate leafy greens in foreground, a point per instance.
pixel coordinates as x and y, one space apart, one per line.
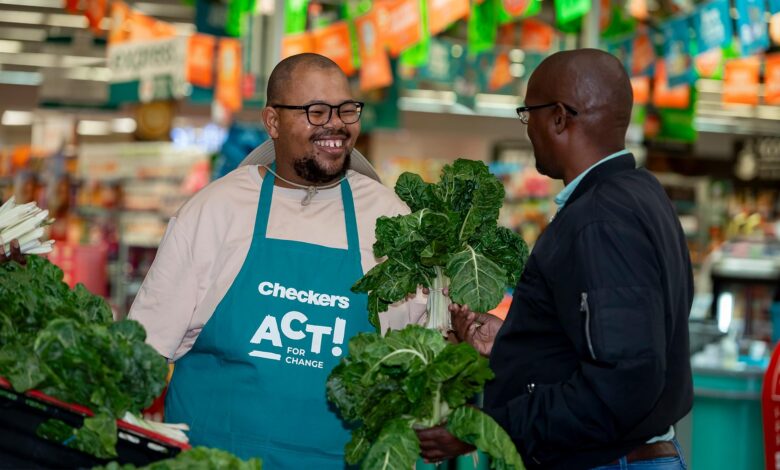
450 240
65 343
201 458
387 386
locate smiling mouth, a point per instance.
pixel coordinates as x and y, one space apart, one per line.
330 143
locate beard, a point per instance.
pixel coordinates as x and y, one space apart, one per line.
310 170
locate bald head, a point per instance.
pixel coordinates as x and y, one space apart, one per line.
591 81
281 78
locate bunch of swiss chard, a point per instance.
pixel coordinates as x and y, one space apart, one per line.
450 240
65 343
196 458
412 378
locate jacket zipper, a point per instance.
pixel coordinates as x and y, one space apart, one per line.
584 308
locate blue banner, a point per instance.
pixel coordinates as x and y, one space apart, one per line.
623 49
774 6
713 25
677 52
753 34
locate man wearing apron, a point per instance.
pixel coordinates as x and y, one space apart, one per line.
267 256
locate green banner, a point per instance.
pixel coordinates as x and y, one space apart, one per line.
567 11
483 26
352 10
295 15
237 9
417 56
677 124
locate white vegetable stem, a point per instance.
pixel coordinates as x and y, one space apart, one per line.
438 303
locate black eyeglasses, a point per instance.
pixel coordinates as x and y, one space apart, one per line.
319 114
523 112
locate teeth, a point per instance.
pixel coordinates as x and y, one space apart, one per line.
330 143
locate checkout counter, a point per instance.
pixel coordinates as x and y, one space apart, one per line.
730 355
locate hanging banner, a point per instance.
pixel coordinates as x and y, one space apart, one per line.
95 12
752 27
623 50
147 61
536 36
774 6
72 6
664 96
514 8
228 89
641 89
295 16
297 44
334 42
740 81
500 76
483 26
772 79
375 69
712 24
643 56
710 64
418 55
200 60
676 52
442 13
567 11
404 26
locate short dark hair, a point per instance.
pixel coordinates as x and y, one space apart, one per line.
282 75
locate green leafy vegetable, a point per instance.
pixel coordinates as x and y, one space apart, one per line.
200 458
410 378
450 240
64 342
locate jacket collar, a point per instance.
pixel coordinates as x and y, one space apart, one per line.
602 172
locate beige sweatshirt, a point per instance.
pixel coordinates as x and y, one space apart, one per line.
207 241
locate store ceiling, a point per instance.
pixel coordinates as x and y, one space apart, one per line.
48 54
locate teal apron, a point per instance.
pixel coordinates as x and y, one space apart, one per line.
254 382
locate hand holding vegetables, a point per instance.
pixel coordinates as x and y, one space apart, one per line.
477 329
24 223
14 255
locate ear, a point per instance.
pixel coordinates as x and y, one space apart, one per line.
560 118
271 121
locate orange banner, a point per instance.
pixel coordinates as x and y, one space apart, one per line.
374 63
442 13
740 81
129 25
500 76
641 87
664 97
297 44
772 79
200 60
334 42
404 30
643 54
228 89
515 7
536 36
95 12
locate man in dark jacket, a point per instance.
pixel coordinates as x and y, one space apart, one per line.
592 363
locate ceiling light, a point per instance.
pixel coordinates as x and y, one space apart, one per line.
8 77
10 47
123 125
34 3
17 118
23 34
98 74
23 17
66 21
93 128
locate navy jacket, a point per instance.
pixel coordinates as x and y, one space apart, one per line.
593 359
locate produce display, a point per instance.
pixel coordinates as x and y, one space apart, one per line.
451 240
412 378
65 343
197 458
24 222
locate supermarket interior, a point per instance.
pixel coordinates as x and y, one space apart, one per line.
114 113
